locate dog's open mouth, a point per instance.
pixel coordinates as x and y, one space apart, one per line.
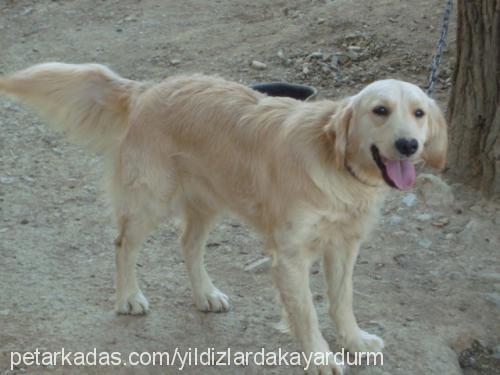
399 174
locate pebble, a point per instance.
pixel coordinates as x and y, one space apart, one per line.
339 59
316 55
425 243
423 217
455 276
27 11
354 52
395 220
7 180
409 200
175 62
493 297
258 65
442 222
258 265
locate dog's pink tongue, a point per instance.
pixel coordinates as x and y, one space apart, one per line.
401 172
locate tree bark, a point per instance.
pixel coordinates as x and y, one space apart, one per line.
473 109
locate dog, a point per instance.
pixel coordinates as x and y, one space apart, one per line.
310 177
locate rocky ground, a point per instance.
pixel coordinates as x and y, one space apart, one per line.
427 281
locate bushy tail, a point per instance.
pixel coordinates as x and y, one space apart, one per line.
88 102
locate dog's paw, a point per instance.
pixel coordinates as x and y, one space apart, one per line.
212 300
134 304
364 342
332 368
283 326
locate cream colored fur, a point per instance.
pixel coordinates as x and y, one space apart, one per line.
201 145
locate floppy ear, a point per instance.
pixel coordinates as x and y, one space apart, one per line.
336 131
436 144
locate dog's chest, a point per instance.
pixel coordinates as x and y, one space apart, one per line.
326 226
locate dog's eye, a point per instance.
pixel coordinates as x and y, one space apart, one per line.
381 110
419 113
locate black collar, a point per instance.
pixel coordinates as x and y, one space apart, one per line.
349 169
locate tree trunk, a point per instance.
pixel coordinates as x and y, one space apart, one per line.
473 109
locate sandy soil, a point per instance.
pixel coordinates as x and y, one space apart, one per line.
428 281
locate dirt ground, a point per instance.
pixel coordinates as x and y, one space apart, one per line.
427 281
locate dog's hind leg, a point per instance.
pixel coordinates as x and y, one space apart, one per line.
138 210
132 232
197 225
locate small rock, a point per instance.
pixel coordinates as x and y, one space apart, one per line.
354 52
339 59
24 221
258 265
258 65
281 55
321 21
493 297
409 199
316 55
7 180
442 222
27 11
305 69
455 276
395 220
175 62
425 243
433 190
423 217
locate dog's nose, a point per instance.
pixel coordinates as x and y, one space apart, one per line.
407 146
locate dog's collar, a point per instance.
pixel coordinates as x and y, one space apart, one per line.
355 176
348 167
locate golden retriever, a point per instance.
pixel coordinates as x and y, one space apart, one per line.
308 176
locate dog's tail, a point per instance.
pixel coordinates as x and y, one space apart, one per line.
88 102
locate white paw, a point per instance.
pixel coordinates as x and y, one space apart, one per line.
134 304
363 342
212 300
332 368
283 326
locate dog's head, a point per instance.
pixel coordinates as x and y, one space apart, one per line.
381 132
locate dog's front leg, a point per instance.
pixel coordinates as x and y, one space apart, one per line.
291 275
339 265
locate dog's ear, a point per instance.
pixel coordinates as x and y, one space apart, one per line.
336 131
436 144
